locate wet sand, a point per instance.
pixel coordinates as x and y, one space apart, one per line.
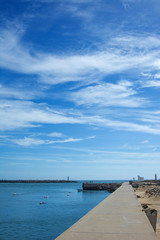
152 199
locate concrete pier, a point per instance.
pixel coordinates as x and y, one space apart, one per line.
118 217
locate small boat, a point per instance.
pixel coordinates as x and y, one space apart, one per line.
79 190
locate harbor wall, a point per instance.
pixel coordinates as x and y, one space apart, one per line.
119 216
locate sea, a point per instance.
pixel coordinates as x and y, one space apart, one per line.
42 211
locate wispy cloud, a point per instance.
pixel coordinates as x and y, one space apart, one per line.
98 156
152 117
119 54
151 83
20 114
133 43
108 94
91 137
157 75
28 141
66 140
127 3
15 93
129 126
145 141
56 134
135 155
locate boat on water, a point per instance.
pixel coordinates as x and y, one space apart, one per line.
79 190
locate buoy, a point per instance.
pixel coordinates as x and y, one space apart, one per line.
14 193
45 196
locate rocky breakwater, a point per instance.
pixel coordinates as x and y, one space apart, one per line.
110 187
153 191
37 181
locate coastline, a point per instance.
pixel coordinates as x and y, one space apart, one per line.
148 194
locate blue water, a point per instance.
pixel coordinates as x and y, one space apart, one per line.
23 217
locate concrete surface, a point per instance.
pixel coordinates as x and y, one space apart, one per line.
118 217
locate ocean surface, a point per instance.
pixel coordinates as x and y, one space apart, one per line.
23 217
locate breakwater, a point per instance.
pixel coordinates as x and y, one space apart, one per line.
119 216
37 181
110 187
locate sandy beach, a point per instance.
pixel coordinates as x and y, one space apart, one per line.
149 193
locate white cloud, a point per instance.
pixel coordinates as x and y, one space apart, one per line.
91 137
157 76
108 94
151 83
56 134
145 141
152 117
127 3
28 141
10 92
137 43
66 140
71 140
129 126
20 114
120 54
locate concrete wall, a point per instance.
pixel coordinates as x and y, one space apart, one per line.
118 217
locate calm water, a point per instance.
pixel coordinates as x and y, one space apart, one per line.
23 217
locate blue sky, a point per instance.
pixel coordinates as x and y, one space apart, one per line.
80 89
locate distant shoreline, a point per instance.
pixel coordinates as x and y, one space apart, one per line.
37 181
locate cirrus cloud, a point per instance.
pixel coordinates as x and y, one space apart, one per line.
109 94
25 114
115 57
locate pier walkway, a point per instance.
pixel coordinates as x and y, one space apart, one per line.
118 217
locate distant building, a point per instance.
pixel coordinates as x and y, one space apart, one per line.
140 179
67 178
156 177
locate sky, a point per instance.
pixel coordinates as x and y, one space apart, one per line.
79 89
